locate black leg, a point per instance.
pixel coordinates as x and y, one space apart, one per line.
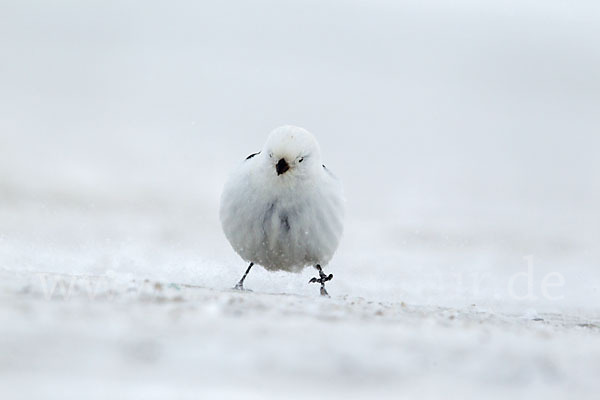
322 279
240 284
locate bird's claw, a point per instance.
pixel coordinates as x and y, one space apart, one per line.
322 279
241 288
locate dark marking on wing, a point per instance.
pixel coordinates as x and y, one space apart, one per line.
267 217
285 223
327 170
252 155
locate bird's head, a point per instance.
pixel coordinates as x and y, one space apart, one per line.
292 151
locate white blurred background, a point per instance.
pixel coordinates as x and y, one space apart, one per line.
467 135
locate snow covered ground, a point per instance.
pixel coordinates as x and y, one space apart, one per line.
145 339
466 135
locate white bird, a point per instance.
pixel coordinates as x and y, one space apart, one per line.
282 208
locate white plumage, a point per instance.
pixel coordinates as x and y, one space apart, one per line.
282 208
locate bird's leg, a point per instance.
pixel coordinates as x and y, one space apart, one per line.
322 279
240 284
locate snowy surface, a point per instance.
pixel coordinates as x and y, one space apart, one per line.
466 136
142 339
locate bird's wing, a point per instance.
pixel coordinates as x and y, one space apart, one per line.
331 174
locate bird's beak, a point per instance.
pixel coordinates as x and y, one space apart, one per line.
282 166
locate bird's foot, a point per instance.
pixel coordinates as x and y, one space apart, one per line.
322 279
240 286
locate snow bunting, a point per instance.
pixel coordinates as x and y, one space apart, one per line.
282 208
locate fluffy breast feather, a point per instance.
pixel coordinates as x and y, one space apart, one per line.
282 228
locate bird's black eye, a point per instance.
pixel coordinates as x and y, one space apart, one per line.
301 159
270 155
